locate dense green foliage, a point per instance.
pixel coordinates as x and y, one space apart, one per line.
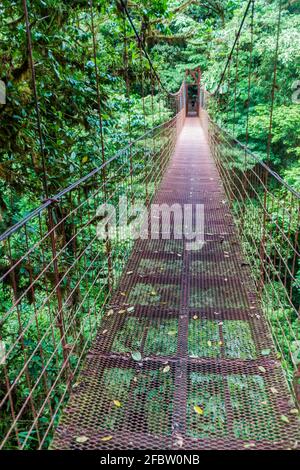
179 35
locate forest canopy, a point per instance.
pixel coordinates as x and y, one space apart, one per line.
178 35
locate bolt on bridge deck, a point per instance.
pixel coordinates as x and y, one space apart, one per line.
184 357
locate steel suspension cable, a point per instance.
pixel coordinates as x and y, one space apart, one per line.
235 85
107 241
140 42
233 47
274 80
126 66
36 101
250 70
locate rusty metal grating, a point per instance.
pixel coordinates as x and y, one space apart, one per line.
194 318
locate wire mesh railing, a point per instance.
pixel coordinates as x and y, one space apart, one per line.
57 275
267 215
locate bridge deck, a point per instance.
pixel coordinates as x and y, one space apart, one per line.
208 377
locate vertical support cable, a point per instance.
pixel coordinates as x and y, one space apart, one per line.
60 320
265 176
36 102
146 153
249 70
107 240
235 84
245 179
126 65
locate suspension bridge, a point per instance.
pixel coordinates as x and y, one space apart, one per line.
145 344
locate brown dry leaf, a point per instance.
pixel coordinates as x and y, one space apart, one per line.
294 411
104 332
129 272
166 369
106 438
179 440
110 312
81 439
122 311
262 369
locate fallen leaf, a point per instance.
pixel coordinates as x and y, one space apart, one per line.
220 343
153 292
106 438
284 418
274 390
166 369
104 332
130 309
136 356
172 332
209 343
195 317
262 369
81 439
251 444
123 293
117 403
265 352
294 411
85 159
129 272
198 410
179 440
122 311
110 312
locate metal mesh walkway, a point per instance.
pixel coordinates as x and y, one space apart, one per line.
183 358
